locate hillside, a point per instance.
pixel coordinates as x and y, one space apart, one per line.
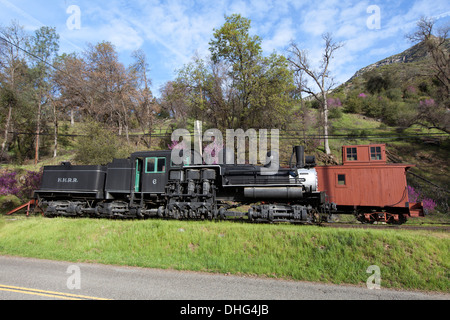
414 54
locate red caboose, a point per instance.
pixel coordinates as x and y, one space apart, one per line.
367 185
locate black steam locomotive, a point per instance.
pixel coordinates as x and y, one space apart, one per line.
150 184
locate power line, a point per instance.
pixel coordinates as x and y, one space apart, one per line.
27 52
281 136
428 181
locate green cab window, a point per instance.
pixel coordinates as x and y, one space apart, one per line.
155 165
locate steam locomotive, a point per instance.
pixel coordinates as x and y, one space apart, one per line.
150 184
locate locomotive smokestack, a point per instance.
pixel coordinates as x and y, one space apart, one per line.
300 156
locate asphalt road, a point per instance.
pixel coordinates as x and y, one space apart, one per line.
33 279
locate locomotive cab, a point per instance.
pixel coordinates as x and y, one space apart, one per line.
150 172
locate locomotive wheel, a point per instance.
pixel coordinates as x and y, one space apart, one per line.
315 216
250 214
222 214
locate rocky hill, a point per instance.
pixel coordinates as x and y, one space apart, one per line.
416 53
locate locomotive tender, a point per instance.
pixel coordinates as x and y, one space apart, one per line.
149 184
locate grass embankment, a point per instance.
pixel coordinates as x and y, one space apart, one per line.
407 259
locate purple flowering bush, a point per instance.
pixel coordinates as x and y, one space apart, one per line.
8 183
12 183
429 205
427 103
30 182
334 102
413 195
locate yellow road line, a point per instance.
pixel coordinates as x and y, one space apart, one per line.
38 294
46 293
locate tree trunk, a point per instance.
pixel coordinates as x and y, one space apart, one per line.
8 120
325 124
149 122
127 134
72 120
56 131
38 130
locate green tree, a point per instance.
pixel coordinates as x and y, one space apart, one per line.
12 68
192 83
241 53
43 46
238 87
271 98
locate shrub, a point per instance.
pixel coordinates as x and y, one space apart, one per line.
378 83
98 145
373 106
395 94
335 113
9 202
353 103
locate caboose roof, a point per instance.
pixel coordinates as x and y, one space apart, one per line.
364 154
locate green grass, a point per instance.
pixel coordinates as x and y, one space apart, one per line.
416 260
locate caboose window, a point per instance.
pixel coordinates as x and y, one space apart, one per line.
352 154
341 179
375 153
155 165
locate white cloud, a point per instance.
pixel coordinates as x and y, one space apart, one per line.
319 21
122 35
282 35
238 6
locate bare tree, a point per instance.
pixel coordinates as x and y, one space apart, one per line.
146 105
70 81
173 102
321 77
437 48
437 45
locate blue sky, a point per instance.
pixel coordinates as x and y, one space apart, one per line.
172 32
